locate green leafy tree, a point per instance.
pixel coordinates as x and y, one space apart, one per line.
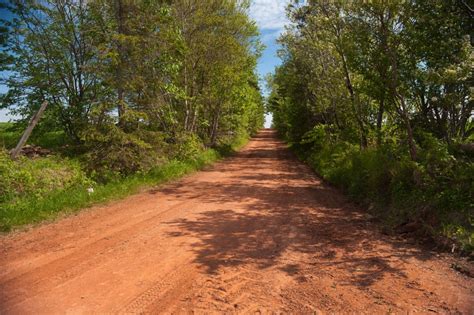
49 54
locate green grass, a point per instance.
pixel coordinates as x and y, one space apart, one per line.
35 209
10 135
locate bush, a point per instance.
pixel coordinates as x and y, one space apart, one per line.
436 190
36 177
186 146
35 207
40 189
113 153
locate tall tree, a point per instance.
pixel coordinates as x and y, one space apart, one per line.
49 53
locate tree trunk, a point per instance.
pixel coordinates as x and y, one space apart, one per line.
193 123
349 85
186 102
34 120
379 122
119 10
395 95
406 119
350 88
215 127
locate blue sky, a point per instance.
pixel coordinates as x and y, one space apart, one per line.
270 17
3 113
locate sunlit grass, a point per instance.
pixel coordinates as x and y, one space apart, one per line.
35 209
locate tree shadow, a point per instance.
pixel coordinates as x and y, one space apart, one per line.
271 207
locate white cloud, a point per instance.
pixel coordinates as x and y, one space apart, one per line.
271 36
269 14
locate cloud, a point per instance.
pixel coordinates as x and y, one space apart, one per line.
270 36
269 14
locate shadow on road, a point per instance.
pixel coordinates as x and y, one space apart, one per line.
274 208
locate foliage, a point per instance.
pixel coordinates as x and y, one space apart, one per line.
376 97
173 68
437 190
36 177
73 194
187 146
10 134
137 91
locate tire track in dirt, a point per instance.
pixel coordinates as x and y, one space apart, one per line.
256 233
71 266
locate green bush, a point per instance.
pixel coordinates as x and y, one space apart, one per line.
186 146
36 177
231 144
8 136
113 153
40 189
436 190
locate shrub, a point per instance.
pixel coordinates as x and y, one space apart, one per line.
36 177
186 146
436 190
113 153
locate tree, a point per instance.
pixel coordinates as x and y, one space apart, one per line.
131 80
383 56
48 53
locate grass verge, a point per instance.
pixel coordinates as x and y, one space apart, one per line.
34 209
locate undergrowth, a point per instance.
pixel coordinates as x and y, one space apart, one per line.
52 186
436 192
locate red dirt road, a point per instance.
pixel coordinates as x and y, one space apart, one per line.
256 233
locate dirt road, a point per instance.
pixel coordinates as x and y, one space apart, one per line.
256 233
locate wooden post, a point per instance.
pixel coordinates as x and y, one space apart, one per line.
34 120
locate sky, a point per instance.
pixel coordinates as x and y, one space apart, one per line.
3 113
271 18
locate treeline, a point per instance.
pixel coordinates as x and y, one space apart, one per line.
130 82
377 96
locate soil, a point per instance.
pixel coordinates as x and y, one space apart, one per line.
256 233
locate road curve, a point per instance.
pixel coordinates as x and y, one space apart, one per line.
255 233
